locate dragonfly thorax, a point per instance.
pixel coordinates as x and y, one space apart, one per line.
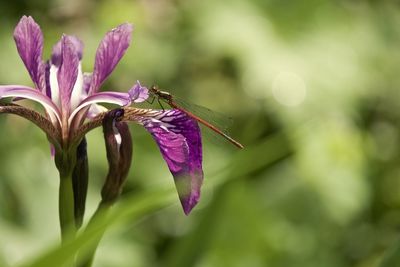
162 94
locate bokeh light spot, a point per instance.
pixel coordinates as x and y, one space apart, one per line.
289 89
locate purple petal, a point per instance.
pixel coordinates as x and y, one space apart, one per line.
87 79
179 139
118 98
47 79
138 93
109 53
29 40
30 93
95 110
68 72
56 55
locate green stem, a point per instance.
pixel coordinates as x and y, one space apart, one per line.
66 208
85 259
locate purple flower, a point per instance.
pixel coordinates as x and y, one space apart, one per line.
71 102
62 88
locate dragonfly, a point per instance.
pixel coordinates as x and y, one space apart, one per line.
174 103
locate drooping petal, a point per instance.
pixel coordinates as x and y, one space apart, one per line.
118 98
179 139
29 40
109 53
138 93
67 73
30 93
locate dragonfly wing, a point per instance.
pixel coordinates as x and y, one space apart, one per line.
215 118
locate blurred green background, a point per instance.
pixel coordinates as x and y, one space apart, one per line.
313 88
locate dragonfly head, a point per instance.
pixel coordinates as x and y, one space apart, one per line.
154 89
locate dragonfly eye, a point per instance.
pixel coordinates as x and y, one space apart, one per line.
154 87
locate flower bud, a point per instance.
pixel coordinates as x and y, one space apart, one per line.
80 177
119 154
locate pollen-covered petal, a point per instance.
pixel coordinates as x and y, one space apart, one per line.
179 139
109 53
118 98
138 93
32 94
68 72
29 40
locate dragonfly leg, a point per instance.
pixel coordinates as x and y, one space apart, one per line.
152 100
159 102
